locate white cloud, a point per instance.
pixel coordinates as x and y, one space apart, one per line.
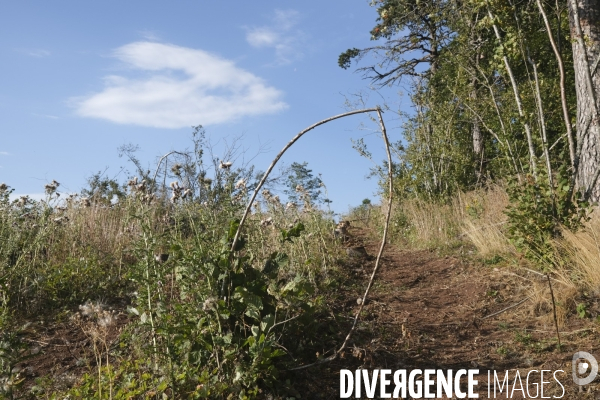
39 53
286 19
280 36
149 35
212 91
4 153
262 37
46 116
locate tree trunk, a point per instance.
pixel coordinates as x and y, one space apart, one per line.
475 128
584 20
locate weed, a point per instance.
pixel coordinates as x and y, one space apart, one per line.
502 351
496 259
524 338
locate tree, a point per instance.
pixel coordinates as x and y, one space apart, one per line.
484 89
301 180
103 189
584 17
414 31
417 36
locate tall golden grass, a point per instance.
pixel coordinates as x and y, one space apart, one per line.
578 255
476 216
484 225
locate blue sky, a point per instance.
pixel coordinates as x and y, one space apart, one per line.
81 79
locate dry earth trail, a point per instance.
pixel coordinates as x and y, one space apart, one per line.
428 311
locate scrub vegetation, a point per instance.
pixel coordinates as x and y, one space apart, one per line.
165 286
152 283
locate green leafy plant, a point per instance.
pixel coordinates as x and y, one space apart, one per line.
537 212
582 310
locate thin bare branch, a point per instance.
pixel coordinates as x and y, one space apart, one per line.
538 97
287 146
563 95
507 308
532 157
378 261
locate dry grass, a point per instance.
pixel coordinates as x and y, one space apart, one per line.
541 300
477 216
100 228
578 255
483 220
431 224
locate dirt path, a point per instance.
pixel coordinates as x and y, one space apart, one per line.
427 311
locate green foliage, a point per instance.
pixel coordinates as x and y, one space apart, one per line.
103 189
301 184
219 334
293 232
345 59
537 212
462 93
12 351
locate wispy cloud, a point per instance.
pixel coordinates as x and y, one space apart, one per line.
213 90
4 153
39 53
46 116
280 35
149 35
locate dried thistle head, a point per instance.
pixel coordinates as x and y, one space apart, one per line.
23 201
91 309
51 187
204 181
241 184
266 221
176 169
85 201
132 182
225 165
178 191
105 319
60 220
209 304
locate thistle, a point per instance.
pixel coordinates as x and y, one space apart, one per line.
241 184
51 187
225 165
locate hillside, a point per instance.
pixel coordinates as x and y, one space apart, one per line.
426 310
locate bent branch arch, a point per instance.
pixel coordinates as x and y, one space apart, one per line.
387 218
